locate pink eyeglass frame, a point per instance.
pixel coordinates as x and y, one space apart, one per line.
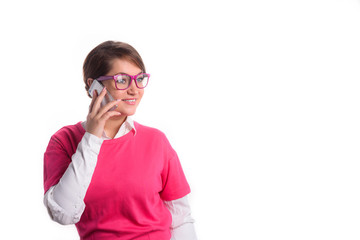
133 77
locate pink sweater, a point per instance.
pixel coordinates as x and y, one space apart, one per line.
133 175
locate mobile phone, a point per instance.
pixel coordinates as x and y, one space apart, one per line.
96 85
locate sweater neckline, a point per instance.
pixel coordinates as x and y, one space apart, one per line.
114 140
119 139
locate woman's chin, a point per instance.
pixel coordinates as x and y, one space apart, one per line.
127 113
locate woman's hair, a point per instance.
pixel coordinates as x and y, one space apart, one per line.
99 61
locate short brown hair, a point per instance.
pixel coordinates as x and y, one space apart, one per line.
99 61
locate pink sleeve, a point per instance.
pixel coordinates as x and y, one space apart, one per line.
58 154
175 185
56 161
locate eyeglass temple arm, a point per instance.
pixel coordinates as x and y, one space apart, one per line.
103 78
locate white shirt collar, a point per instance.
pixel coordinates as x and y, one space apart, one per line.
125 128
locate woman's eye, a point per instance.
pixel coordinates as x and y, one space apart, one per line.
121 80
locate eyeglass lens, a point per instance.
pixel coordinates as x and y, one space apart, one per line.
123 81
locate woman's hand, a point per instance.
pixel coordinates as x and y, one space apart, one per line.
97 116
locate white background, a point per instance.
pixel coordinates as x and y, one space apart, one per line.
259 98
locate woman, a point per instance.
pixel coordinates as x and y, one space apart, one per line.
111 176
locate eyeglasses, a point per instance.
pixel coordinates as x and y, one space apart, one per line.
123 81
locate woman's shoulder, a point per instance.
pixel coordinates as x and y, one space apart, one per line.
148 131
153 136
70 132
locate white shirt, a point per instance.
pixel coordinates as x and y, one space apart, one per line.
65 200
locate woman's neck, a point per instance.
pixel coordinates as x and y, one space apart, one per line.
113 125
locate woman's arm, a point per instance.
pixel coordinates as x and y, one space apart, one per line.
64 200
182 227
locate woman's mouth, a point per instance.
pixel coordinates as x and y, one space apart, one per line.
131 101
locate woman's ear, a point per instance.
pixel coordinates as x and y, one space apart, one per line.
89 81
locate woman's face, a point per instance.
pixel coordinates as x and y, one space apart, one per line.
125 107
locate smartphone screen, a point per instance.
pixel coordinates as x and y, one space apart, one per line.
96 85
